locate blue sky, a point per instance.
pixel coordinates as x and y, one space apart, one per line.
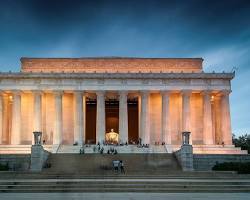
218 31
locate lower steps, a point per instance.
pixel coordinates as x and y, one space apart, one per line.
125 185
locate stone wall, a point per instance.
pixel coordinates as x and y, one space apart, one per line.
112 65
16 162
206 162
185 157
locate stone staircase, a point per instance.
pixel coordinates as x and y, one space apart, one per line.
124 183
20 149
92 164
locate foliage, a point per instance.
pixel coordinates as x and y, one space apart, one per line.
4 167
241 168
242 141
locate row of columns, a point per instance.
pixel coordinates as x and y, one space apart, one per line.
144 126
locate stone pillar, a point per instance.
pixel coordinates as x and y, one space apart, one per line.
145 121
123 117
16 118
79 118
217 110
6 114
100 117
166 134
37 126
207 118
226 119
186 114
1 117
57 136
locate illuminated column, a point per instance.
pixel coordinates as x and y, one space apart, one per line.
100 117
16 118
57 136
37 126
123 117
207 118
145 121
5 133
1 117
79 118
186 114
226 119
166 134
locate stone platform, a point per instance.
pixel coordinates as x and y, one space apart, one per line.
197 149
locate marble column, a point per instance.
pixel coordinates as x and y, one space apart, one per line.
1 117
226 119
145 120
16 118
57 136
100 117
123 116
79 117
6 114
166 134
186 113
207 118
37 126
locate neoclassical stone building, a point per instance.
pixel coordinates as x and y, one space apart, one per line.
81 99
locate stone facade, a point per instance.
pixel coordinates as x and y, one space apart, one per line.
173 95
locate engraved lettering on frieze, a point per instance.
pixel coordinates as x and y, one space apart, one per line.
145 81
100 81
207 81
165 81
37 81
124 81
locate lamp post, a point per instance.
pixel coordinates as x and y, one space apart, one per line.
37 137
185 137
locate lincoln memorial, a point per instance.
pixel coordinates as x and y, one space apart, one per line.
81 100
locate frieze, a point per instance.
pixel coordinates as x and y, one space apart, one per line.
111 65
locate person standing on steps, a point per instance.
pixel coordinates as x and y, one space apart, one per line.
122 167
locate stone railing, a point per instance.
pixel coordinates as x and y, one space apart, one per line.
185 157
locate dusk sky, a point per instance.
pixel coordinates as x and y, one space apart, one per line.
217 31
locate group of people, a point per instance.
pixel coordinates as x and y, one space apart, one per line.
112 151
118 166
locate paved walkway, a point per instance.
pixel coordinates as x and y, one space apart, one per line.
123 196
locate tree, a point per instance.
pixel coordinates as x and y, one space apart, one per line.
242 141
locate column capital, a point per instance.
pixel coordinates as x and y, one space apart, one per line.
2 93
58 92
186 92
206 92
79 92
225 92
100 92
123 92
165 92
37 92
16 92
144 93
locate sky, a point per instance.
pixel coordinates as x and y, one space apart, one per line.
218 31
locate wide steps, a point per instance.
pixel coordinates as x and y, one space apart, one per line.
102 163
20 149
121 185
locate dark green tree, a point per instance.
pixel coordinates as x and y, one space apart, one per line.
242 141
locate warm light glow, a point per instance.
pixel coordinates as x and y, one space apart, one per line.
212 98
112 137
10 98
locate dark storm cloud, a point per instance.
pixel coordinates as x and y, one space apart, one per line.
218 31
